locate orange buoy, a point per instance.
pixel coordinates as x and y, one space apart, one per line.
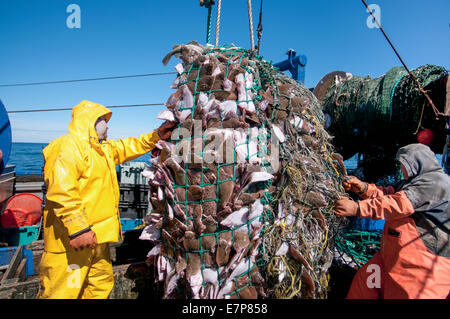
425 136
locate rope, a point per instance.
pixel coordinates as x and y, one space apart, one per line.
358 245
259 28
91 79
218 22
250 21
208 27
70 108
208 4
435 109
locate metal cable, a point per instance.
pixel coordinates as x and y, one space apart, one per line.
250 21
218 22
70 108
90 79
435 109
259 28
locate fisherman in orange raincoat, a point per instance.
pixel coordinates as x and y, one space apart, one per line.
414 258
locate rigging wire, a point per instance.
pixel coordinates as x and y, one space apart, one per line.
70 108
259 29
89 79
430 102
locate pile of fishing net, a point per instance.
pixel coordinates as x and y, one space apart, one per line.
374 117
242 194
355 247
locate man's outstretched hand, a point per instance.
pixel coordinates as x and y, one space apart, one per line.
165 130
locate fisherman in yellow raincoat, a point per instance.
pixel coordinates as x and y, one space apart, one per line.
81 213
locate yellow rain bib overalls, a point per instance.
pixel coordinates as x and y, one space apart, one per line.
83 193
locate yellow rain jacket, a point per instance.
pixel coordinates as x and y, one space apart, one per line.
80 174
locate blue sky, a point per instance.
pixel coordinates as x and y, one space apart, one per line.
131 37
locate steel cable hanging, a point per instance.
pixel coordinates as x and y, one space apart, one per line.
259 28
430 102
70 108
89 79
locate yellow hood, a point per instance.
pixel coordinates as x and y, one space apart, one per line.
84 116
81 178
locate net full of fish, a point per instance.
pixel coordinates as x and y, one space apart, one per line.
241 196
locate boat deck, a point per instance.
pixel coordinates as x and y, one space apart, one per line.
132 277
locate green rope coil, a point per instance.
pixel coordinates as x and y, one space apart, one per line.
359 245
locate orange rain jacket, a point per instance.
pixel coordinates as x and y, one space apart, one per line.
414 256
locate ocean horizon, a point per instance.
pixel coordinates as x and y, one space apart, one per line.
28 159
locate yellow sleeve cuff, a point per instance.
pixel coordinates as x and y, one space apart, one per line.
153 138
75 224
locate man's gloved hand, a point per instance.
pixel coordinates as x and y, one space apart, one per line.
165 130
346 207
353 184
84 240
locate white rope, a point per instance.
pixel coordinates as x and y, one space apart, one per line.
250 21
218 22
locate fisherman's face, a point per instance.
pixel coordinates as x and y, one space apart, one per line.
102 128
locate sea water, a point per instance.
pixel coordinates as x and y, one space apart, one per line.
28 159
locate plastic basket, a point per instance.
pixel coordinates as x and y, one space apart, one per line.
130 173
132 211
132 193
7 253
16 236
130 224
22 210
367 224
